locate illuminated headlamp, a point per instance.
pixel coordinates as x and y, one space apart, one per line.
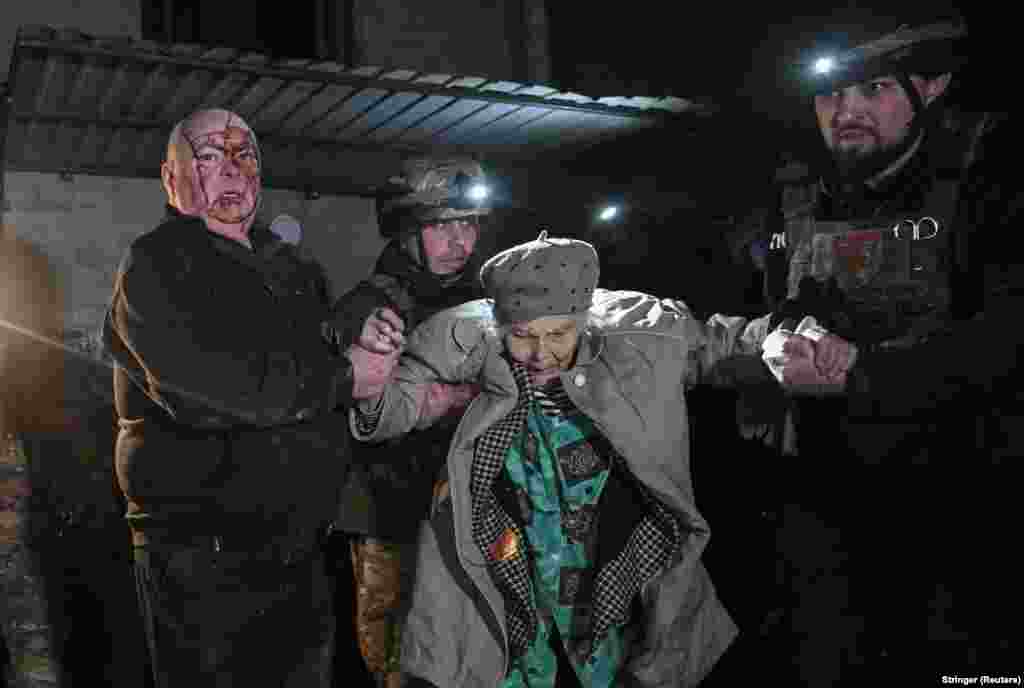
824 65
468 192
478 192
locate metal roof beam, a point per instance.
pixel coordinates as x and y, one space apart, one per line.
151 125
355 81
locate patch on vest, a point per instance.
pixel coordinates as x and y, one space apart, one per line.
854 258
893 271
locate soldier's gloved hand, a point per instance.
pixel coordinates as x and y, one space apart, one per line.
383 332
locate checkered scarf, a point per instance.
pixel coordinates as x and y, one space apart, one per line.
654 544
491 522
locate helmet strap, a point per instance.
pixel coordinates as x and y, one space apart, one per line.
411 243
421 250
915 98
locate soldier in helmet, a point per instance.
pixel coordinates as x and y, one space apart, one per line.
875 246
432 214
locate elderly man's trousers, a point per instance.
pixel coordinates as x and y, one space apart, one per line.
218 618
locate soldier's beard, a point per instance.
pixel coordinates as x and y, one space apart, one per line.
855 165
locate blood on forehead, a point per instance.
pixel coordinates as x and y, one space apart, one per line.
232 138
239 146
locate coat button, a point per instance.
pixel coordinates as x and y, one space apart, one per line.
579 380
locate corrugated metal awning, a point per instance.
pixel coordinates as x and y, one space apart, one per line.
106 106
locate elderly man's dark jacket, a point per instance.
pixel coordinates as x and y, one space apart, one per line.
229 384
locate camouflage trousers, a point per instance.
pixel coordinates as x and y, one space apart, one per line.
383 572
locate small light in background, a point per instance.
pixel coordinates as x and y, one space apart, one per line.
608 212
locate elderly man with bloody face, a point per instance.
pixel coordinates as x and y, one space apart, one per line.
565 546
230 375
213 170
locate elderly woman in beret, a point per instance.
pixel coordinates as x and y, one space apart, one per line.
565 546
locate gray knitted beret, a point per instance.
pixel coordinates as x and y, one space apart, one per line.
544 277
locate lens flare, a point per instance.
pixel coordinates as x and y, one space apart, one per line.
824 65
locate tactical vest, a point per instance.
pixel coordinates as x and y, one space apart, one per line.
894 268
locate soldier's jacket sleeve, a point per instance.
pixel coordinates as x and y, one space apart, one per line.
352 309
977 361
724 350
208 366
445 349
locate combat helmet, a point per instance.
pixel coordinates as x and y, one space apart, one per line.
432 190
926 50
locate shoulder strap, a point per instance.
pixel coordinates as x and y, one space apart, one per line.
966 280
791 201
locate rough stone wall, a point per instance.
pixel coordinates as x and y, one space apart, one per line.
96 17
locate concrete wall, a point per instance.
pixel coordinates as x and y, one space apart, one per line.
96 17
481 38
493 38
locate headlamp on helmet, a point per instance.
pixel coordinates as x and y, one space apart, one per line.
433 190
824 65
927 50
468 192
